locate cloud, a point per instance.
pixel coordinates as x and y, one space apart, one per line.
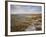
25 9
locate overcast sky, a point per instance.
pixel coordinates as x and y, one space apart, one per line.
20 9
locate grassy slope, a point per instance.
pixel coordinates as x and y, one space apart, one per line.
20 23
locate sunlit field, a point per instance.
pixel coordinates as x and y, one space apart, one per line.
26 22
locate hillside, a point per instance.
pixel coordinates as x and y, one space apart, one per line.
22 22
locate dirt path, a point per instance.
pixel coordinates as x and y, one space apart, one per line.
31 28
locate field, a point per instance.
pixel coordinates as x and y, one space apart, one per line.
26 22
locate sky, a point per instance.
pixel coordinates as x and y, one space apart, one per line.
25 9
